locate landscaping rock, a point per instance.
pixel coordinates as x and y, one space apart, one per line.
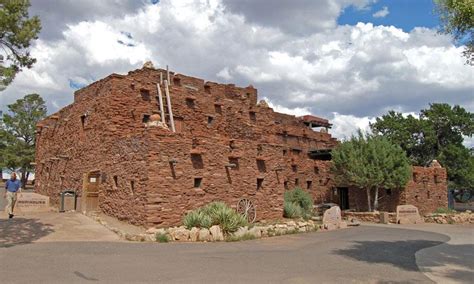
194 234
343 225
204 235
216 233
240 232
256 232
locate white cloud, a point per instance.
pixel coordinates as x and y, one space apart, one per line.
381 13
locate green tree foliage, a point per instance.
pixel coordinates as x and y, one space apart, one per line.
371 163
457 18
17 30
17 134
437 134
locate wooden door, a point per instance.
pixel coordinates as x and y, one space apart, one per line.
90 197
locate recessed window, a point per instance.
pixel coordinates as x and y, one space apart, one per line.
259 183
295 152
132 187
297 182
190 102
210 120
232 144
253 116
116 181
316 170
177 81
145 95
428 194
83 120
285 152
207 89
437 179
261 166
146 118
197 182
294 168
218 108
388 191
197 161
285 184
309 184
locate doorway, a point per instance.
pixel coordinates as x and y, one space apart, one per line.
90 191
343 193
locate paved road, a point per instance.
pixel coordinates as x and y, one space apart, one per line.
367 254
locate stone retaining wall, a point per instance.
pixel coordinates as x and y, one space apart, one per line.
372 217
451 218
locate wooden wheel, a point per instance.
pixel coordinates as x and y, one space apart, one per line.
247 209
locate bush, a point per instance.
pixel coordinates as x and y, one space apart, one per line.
162 238
215 213
298 203
444 210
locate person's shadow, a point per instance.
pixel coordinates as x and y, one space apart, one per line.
19 231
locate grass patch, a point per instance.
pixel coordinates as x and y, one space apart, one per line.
162 238
444 210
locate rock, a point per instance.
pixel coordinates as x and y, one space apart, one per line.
152 230
256 232
354 222
302 224
194 234
408 214
332 217
291 224
204 235
181 234
343 225
150 237
216 233
240 232
302 229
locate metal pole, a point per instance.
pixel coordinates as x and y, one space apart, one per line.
160 101
170 111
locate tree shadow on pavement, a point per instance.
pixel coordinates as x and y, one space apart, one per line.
397 253
19 231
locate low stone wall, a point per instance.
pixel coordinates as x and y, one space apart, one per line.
371 217
451 218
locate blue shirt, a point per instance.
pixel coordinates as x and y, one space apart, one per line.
13 185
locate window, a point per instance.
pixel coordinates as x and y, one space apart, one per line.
146 118
388 191
177 81
294 168
309 184
285 152
295 152
115 181
261 166
253 116
207 89
285 184
190 102
83 120
437 179
197 182
145 95
210 119
428 194
259 183
316 170
197 161
218 108
297 182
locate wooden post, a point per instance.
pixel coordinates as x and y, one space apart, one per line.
160 101
170 111
167 74
161 78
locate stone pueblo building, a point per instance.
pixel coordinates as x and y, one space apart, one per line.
146 152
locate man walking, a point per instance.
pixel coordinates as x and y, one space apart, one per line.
12 186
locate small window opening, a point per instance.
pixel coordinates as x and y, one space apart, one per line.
285 152
210 119
294 168
207 89
309 184
316 170
176 81
253 116
428 194
261 166
132 187
146 118
197 161
190 102
437 179
145 95
416 197
285 184
232 144
116 181
259 183
197 182
83 120
388 191
297 182
234 161
296 152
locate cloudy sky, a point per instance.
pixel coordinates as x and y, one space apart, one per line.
346 60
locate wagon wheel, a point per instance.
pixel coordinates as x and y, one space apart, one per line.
247 209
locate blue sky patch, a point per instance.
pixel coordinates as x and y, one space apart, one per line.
404 14
76 85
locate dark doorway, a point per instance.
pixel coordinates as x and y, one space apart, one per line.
343 193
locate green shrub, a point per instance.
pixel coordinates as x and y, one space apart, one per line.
444 210
292 210
215 213
162 238
298 198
